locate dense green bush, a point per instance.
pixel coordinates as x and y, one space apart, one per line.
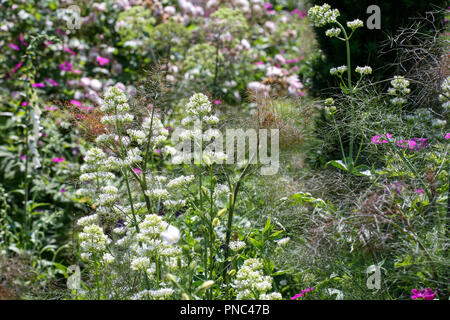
366 43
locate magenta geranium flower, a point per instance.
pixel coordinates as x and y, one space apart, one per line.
377 139
14 46
65 66
22 41
137 170
447 136
423 294
419 191
57 160
16 67
66 49
217 101
38 85
51 81
76 102
102 60
302 293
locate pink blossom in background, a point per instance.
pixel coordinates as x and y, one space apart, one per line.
414 144
57 160
76 71
14 47
102 61
76 102
47 43
66 49
419 191
38 85
16 67
22 41
158 151
302 293
376 138
268 6
424 294
51 81
258 63
447 136
63 190
217 101
24 104
47 108
65 66
23 157
301 14
137 170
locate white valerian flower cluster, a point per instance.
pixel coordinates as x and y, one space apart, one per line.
445 96
355 24
237 245
251 283
338 71
399 89
363 71
333 32
322 15
199 110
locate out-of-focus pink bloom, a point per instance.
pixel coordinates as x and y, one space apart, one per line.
376 138
419 191
447 136
38 85
51 81
217 101
16 67
14 46
301 14
137 170
63 190
22 41
77 71
23 157
76 102
57 160
268 6
414 144
66 49
424 294
47 108
102 60
258 63
302 293
47 43
24 104
158 151
65 66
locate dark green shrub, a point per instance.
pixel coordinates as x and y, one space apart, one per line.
366 43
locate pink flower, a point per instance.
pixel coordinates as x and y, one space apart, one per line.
76 102
76 71
63 190
51 81
24 104
419 191
424 294
66 49
302 293
22 41
66 66
217 101
57 160
14 47
137 170
268 6
447 136
102 61
47 108
16 67
23 157
376 138
258 63
38 85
